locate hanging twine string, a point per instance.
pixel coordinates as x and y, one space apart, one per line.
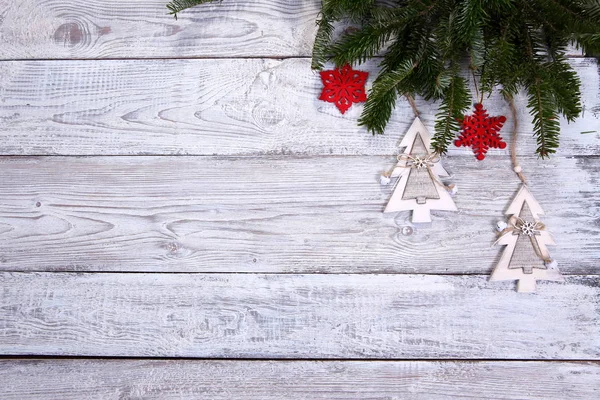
513 145
478 93
517 225
478 96
413 105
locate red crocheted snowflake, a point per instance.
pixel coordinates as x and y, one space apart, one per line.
480 131
344 86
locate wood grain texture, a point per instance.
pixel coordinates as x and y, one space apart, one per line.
276 214
332 380
220 107
51 29
296 316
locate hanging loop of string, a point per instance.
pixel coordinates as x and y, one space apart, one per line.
413 105
513 145
478 94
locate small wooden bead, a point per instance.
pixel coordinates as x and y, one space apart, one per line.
453 189
384 180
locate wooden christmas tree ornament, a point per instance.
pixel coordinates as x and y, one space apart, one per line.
418 188
525 258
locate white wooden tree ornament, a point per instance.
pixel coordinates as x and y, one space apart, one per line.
418 188
526 257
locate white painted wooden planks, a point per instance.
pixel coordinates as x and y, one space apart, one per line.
49 29
294 380
275 214
143 29
296 316
219 107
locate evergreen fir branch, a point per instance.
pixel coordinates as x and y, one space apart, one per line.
541 102
511 45
320 53
177 6
455 101
470 18
564 84
590 43
361 45
382 98
546 126
477 49
333 11
592 9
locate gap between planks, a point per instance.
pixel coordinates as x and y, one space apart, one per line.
33 357
215 57
374 273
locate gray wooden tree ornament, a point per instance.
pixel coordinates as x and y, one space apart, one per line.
418 188
526 257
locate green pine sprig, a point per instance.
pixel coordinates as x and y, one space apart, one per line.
429 47
177 6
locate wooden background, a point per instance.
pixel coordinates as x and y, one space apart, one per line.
180 217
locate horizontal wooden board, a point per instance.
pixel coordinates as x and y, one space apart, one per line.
220 107
275 380
276 214
296 316
47 29
143 29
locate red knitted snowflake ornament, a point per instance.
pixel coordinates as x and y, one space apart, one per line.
344 86
480 131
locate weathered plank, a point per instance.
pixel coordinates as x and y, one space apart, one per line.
276 214
49 29
224 107
296 316
143 29
275 380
